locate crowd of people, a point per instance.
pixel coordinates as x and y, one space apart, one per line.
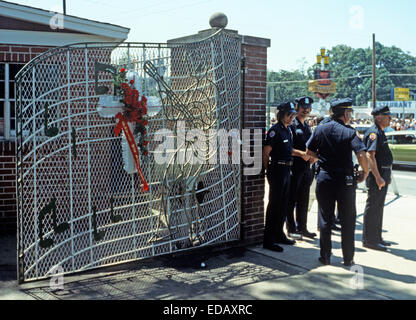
396 124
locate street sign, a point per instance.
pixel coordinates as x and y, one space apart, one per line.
401 94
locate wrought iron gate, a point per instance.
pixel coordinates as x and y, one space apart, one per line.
79 207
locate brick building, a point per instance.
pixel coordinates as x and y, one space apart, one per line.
26 32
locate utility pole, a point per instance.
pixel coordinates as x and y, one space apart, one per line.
374 70
64 6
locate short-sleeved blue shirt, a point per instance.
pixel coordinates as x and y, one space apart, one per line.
281 141
376 140
334 142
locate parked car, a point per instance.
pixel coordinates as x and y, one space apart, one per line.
403 146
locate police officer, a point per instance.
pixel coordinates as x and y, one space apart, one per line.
380 161
301 179
332 143
277 161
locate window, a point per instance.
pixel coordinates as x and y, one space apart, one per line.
8 73
405 139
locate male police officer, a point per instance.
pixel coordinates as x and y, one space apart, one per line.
301 179
332 143
380 160
277 161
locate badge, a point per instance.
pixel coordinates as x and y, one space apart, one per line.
272 134
299 131
373 136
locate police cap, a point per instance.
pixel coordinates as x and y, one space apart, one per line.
304 101
341 104
287 107
381 111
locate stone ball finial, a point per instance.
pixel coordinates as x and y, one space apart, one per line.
218 20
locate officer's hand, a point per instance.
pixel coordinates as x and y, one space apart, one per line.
380 183
305 156
362 175
312 160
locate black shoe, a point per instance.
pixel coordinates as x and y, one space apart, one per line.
308 234
375 246
286 241
324 261
349 263
273 247
385 243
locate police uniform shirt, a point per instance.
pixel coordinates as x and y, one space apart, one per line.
301 134
376 140
281 141
333 142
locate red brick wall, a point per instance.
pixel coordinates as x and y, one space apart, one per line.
8 203
20 53
254 118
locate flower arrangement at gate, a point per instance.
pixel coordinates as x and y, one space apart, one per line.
135 110
132 120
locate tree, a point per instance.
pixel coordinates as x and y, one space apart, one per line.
352 71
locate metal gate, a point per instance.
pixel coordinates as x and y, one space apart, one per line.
81 201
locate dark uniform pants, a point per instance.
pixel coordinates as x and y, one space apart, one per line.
330 189
278 177
300 184
373 213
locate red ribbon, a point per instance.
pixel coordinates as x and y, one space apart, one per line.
122 124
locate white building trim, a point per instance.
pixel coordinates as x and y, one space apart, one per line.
40 16
53 39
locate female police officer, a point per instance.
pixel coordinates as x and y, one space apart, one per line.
332 143
277 160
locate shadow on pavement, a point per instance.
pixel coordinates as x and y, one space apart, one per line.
170 277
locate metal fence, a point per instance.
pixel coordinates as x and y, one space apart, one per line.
78 208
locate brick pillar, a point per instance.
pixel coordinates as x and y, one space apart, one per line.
254 50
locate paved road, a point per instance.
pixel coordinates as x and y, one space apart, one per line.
405 181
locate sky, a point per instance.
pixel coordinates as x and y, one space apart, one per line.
297 29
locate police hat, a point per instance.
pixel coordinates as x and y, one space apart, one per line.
288 107
304 101
381 111
341 104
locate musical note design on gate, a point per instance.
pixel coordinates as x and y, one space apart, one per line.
52 131
50 208
97 235
114 218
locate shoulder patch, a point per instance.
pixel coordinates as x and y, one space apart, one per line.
373 136
272 134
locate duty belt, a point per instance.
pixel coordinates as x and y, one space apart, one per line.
284 163
386 167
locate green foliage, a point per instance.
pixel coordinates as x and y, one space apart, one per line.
346 64
287 91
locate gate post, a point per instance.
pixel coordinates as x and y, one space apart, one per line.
254 52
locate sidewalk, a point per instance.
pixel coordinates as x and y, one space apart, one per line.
251 273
